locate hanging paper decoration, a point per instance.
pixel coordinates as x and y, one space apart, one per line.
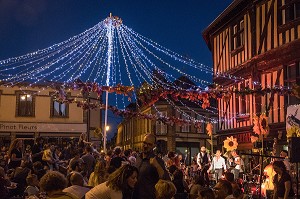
230 143
260 125
253 139
98 132
209 129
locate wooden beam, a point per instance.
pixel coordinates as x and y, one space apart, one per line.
271 100
264 32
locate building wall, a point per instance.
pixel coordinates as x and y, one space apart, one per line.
268 50
172 139
42 123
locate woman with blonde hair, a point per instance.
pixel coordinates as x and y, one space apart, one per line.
15 153
165 189
99 175
120 185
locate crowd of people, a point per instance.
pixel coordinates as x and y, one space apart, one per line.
78 171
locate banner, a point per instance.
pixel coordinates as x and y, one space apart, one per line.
293 120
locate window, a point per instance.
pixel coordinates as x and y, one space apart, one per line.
292 76
289 10
238 35
161 128
185 127
25 104
202 129
59 109
243 102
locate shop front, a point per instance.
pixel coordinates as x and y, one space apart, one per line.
52 132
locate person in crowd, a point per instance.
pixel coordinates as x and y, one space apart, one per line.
4 183
37 150
77 187
196 186
120 185
89 160
194 167
203 161
132 158
284 155
48 156
223 190
32 185
67 152
180 183
76 158
15 153
164 189
3 157
117 159
38 169
99 175
239 164
207 193
76 167
172 170
107 158
127 154
82 142
236 190
282 182
151 169
218 165
172 159
20 175
53 183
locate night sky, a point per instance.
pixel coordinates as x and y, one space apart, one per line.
29 25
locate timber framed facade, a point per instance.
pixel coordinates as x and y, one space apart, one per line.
257 43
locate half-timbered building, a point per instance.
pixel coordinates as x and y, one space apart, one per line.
255 44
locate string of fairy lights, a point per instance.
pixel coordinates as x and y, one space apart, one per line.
110 53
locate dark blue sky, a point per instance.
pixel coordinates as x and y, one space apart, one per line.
29 25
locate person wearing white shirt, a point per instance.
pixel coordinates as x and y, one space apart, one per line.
239 164
218 165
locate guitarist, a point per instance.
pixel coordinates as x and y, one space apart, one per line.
203 161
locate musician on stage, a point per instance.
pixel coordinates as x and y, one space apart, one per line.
284 154
203 161
283 183
239 164
218 165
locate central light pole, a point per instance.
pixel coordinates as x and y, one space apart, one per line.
111 22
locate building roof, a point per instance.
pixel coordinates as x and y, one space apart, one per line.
230 12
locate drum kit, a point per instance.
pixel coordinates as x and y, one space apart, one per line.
254 188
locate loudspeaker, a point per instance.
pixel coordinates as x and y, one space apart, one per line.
294 149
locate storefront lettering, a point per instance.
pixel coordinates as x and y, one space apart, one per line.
17 127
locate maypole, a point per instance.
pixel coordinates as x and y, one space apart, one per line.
111 22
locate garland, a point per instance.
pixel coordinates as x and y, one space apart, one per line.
148 95
85 105
87 88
